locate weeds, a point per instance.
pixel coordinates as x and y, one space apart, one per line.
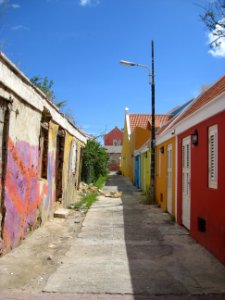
90 197
86 202
89 200
101 181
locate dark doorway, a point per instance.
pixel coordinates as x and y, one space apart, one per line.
59 163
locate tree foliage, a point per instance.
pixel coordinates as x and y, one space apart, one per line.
46 86
214 19
95 161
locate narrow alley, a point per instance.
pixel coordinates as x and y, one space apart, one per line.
127 250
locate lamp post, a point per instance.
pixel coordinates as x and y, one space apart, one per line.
151 74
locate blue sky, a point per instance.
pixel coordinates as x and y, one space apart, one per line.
79 43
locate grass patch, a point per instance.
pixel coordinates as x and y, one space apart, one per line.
101 181
86 202
89 200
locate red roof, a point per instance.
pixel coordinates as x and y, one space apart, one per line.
206 97
114 134
144 120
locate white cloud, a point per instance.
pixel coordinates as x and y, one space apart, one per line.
14 5
89 2
219 49
19 27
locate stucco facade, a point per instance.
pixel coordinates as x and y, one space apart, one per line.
206 213
165 175
33 170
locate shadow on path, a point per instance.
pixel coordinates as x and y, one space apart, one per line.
163 259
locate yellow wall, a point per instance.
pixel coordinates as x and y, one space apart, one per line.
71 177
137 139
66 162
161 174
145 171
48 186
125 156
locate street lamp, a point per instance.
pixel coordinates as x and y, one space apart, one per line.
151 74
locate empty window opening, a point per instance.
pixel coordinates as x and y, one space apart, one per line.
44 150
59 163
43 144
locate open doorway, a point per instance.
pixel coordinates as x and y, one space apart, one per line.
59 163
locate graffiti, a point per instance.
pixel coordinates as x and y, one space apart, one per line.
48 188
21 196
24 195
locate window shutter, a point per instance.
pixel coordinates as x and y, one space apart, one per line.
212 157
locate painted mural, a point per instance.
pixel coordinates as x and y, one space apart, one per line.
28 200
21 195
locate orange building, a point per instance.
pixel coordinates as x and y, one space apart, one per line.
137 131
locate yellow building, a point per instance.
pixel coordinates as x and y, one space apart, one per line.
165 174
137 131
144 153
166 153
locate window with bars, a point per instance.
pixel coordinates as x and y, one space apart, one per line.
213 157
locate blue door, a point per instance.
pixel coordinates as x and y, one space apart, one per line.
137 171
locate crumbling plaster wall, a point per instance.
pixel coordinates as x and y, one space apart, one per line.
21 192
71 169
28 200
47 186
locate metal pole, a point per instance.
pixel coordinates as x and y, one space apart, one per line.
152 182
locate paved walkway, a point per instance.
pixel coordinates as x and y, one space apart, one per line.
128 248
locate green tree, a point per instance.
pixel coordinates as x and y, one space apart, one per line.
46 86
95 161
214 19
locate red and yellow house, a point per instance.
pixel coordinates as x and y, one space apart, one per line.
166 153
137 131
201 169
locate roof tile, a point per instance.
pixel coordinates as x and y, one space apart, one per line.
143 120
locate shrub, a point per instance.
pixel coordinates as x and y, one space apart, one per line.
95 161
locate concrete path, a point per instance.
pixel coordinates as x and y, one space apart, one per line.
126 247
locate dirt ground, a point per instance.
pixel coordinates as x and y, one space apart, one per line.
28 267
